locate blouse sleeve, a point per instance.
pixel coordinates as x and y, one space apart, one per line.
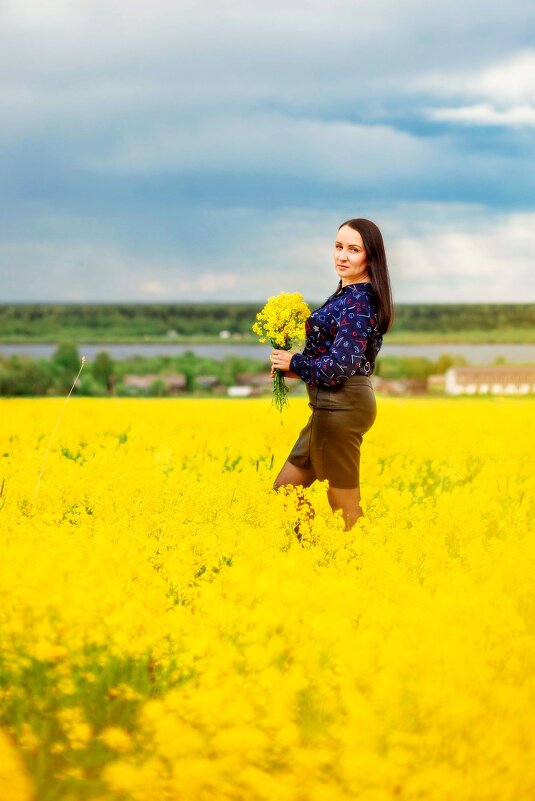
345 354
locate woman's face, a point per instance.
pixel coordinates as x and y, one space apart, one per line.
350 261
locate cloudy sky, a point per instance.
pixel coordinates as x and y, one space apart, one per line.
171 151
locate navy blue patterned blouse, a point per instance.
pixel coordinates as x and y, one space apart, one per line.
342 338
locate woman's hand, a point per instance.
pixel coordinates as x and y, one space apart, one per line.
280 359
286 359
286 373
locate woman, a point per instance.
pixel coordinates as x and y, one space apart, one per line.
343 338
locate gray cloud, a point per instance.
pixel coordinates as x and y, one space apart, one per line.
174 150
271 142
506 89
436 252
487 114
509 80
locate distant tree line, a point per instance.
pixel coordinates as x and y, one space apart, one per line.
463 316
26 376
126 320
43 321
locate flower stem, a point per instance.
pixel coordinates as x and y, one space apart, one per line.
280 390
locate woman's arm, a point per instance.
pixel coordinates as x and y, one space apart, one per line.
280 360
344 356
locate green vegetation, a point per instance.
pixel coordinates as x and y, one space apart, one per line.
22 375
393 367
193 322
445 318
123 322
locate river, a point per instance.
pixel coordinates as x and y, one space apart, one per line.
474 354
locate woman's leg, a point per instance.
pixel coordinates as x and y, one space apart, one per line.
297 477
348 500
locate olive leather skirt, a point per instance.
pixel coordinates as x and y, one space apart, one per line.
330 442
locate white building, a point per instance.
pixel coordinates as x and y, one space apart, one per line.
175 382
496 380
239 391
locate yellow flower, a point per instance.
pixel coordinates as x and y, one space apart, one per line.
282 320
218 656
117 739
27 739
14 783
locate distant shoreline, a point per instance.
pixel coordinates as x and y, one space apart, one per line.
473 353
489 337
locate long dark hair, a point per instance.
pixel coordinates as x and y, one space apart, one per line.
377 268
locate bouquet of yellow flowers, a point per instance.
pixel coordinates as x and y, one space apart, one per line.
282 322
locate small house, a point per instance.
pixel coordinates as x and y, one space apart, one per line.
139 382
174 382
256 380
207 381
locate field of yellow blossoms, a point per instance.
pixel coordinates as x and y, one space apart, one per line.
165 636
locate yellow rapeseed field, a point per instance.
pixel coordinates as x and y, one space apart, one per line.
165 636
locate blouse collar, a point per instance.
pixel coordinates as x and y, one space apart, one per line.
352 286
